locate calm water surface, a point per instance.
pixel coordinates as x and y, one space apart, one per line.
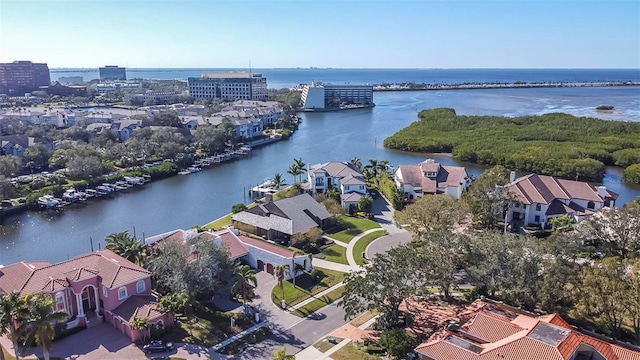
184 201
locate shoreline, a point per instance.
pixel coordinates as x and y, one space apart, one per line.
477 86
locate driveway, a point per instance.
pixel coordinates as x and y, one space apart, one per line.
383 214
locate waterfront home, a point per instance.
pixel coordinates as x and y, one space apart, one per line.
492 330
540 198
344 176
259 254
430 177
281 219
92 288
17 144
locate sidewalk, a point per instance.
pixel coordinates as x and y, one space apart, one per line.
352 244
334 266
237 336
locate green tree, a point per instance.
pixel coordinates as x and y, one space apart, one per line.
433 212
488 199
294 171
178 303
245 277
10 165
616 230
561 223
356 161
126 246
7 190
333 193
140 324
14 313
238 208
281 354
37 153
280 272
296 268
365 204
602 294
278 181
167 118
373 167
42 321
398 342
632 174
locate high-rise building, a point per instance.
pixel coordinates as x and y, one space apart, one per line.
326 96
20 77
112 72
229 86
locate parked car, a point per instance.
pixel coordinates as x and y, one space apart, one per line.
157 346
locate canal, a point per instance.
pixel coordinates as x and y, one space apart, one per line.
185 201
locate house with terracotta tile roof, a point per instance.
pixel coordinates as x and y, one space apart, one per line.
540 198
344 176
92 288
259 254
430 177
491 330
281 219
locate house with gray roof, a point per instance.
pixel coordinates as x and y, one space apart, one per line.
283 218
344 176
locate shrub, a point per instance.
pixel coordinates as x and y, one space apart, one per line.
317 275
238 208
632 174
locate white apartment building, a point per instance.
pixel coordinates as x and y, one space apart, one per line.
104 88
151 95
229 86
321 96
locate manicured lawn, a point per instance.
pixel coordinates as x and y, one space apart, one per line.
350 352
362 244
324 344
350 226
319 303
219 223
305 287
363 318
209 327
336 253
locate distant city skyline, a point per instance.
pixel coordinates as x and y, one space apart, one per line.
323 34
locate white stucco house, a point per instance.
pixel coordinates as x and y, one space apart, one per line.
259 254
541 198
344 176
430 177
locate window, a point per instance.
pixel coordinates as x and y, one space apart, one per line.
122 293
538 207
140 286
591 205
60 301
105 291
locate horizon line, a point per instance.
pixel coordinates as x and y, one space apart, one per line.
361 68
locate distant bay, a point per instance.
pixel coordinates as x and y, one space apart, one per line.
281 78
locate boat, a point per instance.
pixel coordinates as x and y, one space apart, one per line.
49 202
133 180
71 195
122 185
184 172
91 193
110 187
193 169
103 190
146 178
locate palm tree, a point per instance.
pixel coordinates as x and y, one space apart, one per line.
142 325
333 193
278 181
356 161
42 321
383 166
13 315
373 167
245 276
294 170
281 354
281 271
126 246
301 165
178 303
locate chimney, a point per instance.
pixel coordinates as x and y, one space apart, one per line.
512 176
602 191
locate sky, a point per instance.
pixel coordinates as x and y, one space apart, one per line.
337 34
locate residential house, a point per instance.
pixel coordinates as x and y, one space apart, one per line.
92 288
430 177
540 198
17 144
247 127
260 255
491 330
125 128
344 176
283 218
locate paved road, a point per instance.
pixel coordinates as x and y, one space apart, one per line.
383 214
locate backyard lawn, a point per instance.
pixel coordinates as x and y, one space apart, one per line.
336 253
305 287
362 244
349 226
223 221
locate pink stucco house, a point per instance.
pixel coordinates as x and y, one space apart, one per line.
92 288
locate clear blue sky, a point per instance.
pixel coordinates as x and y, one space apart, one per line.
339 34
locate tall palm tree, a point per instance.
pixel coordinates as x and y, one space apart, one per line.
281 271
281 354
126 246
42 321
294 171
278 181
373 167
356 161
301 165
14 312
141 324
384 166
245 276
295 267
